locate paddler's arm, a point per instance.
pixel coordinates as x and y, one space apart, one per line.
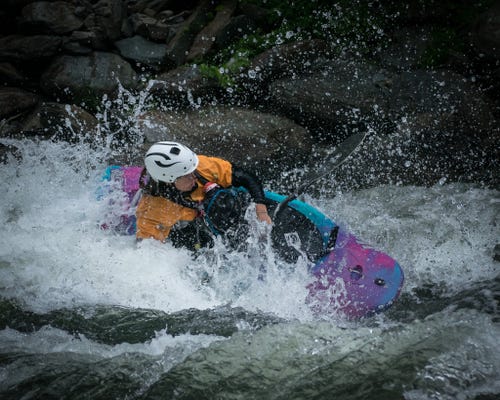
240 177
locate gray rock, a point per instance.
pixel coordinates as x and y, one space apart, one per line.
23 48
85 77
344 95
186 86
334 101
51 16
142 51
159 5
14 100
80 42
61 121
181 43
109 17
236 28
247 138
205 39
287 59
150 28
404 52
439 99
9 74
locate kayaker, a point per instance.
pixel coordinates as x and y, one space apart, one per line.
178 188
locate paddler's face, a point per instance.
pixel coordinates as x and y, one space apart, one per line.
185 183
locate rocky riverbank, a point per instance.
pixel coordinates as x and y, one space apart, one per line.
241 79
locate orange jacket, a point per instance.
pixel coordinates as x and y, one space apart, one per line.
157 215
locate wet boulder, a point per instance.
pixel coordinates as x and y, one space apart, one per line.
255 140
283 62
181 43
237 27
57 17
27 48
186 86
439 99
80 43
60 121
205 39
15 100
336 99
287 60
143 52
340 97
9 74
87 78
147 27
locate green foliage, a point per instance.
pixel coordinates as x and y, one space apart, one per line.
242 50
349 24
346 23
358 26
216 73
343 21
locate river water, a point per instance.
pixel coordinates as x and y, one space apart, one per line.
85 314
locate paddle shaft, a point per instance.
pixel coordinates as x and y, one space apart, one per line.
301 189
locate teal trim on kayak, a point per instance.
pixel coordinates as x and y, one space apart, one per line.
321 221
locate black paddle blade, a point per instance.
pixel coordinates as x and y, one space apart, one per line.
335 159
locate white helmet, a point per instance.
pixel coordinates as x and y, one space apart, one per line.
167 161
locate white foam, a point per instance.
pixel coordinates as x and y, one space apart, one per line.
439 235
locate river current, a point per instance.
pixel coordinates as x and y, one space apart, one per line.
85 314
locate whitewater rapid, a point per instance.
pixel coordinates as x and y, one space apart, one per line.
53 255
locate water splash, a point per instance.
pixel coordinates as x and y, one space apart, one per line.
54 255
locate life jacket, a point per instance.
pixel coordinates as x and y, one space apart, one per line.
162 206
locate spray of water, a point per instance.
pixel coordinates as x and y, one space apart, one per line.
54 254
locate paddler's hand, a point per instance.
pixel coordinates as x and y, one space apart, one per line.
262 215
